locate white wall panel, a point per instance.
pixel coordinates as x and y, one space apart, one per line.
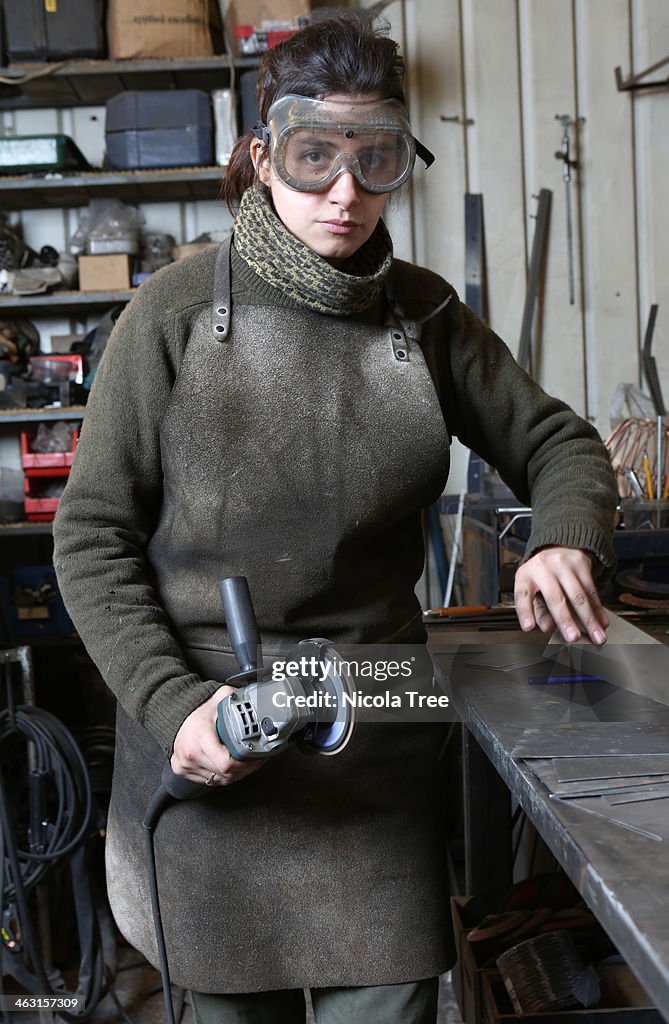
512 66
433 50
547 80
650 43
494 144
606 192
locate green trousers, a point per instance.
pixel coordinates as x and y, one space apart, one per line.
414 1003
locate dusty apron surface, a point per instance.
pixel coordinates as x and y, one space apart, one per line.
297 451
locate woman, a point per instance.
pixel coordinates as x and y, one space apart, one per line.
282 409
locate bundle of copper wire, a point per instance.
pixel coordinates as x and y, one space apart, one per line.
633 447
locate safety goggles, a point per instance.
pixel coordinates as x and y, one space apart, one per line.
312 141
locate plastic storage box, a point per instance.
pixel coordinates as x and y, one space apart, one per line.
39 504
159 129
46 463
23 154
48 30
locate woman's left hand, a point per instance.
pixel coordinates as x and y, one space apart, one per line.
555 589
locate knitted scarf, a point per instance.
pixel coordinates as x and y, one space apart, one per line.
281 260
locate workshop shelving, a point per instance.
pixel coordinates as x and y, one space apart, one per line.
15 531
81 83
180 184
62 302
72 412
77 83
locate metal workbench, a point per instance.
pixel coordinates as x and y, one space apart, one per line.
622 875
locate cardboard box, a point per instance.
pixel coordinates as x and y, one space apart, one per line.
254 12
180 252
163 28
109 273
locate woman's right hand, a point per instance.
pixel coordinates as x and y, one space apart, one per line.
198 753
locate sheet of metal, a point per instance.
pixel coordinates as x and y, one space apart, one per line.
545 771
592 739
599 809
659 792
577 769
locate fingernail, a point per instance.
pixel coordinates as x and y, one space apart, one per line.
599 637
527 623
572 634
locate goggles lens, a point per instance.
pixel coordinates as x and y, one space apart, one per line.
379 159
312 141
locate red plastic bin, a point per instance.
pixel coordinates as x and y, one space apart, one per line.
46 463
37 508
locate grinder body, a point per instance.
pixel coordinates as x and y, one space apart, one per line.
271 709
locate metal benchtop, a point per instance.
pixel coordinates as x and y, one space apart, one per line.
623 875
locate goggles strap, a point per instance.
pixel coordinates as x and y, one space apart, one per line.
423 152
262 132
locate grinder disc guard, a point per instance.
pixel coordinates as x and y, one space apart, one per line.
333 730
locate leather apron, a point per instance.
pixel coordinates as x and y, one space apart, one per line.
290 441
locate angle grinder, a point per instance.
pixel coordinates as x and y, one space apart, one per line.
302 699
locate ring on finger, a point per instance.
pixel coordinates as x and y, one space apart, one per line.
210 780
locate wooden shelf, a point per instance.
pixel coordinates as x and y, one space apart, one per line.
175 184
17 530
76 83
55 303
71 412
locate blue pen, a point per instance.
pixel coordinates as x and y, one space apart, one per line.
537 680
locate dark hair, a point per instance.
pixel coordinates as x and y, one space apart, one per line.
341 53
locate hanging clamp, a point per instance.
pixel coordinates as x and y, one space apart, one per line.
564 154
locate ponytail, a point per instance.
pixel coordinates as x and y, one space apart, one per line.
240 173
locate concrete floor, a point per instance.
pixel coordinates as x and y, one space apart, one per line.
139 993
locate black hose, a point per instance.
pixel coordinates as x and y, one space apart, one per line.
61 811
172 787
159 801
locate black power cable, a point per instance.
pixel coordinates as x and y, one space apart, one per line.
61 811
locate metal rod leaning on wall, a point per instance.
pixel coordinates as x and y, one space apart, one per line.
650 366
536 266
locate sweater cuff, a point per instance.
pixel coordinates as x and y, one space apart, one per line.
172 703
586 537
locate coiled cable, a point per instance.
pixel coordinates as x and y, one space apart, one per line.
60 818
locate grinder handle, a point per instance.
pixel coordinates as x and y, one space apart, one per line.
241 622
180 788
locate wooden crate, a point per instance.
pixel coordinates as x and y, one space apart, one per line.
466 975
624 999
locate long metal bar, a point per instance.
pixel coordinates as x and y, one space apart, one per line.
649 364
536 266
634 81
475 293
